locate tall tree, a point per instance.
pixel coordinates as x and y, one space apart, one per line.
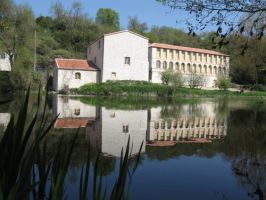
135 25
108 17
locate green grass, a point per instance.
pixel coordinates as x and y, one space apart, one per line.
142 88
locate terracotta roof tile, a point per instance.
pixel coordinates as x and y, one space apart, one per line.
75 64
182 48
73 122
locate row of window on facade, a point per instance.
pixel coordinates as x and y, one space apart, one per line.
187 124
190 56
190 68
215 133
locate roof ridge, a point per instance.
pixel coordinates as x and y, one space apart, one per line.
191 48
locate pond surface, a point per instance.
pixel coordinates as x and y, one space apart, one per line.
193 148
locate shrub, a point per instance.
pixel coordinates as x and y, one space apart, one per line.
166 76
258 87
195 80
223 82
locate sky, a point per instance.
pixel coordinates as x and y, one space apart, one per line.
149 11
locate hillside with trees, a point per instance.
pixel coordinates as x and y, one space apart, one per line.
67 33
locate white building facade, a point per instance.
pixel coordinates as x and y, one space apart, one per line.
4 62
73 73
126 55
121 56
187 62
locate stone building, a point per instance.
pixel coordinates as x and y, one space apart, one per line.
126 55
121 56
187 61
73 73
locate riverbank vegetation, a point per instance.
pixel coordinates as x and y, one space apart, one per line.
28 171
142 88
67 33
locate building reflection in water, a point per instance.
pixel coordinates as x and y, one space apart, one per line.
108 129
194 124
4 120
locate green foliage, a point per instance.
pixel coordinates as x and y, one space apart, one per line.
166 76
173 78
223 82
125 88
108 17
195 80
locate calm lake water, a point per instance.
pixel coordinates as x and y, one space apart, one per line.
193 148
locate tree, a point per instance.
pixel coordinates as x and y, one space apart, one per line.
195 80
223 82
166 76
231 15
135 25
16 28
108 17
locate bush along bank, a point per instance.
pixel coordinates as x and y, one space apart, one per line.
141 88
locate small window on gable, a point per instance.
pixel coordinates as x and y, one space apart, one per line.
77 112
99 44
95 60
2 55
127 60
77 75
113 75
125 128
112 115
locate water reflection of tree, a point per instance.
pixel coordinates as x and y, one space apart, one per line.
190 111
221 108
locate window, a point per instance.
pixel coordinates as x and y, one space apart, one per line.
171 65
125 128
165 53
77 75
77 111
156 125
158 53
113 75
99 44
165 65
177 66
127 60
2 55
112 115
95 60
158 64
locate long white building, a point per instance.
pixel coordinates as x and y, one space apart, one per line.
126 55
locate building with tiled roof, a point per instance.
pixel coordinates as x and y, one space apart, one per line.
73 73
126 55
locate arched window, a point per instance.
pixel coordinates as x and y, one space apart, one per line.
165 65
224 70
158 64
171 65
194 68
183 67
205 69
177 66
189 68
215 69
210 69
200 69
220 70
77 75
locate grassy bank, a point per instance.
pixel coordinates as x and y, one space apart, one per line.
141 88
